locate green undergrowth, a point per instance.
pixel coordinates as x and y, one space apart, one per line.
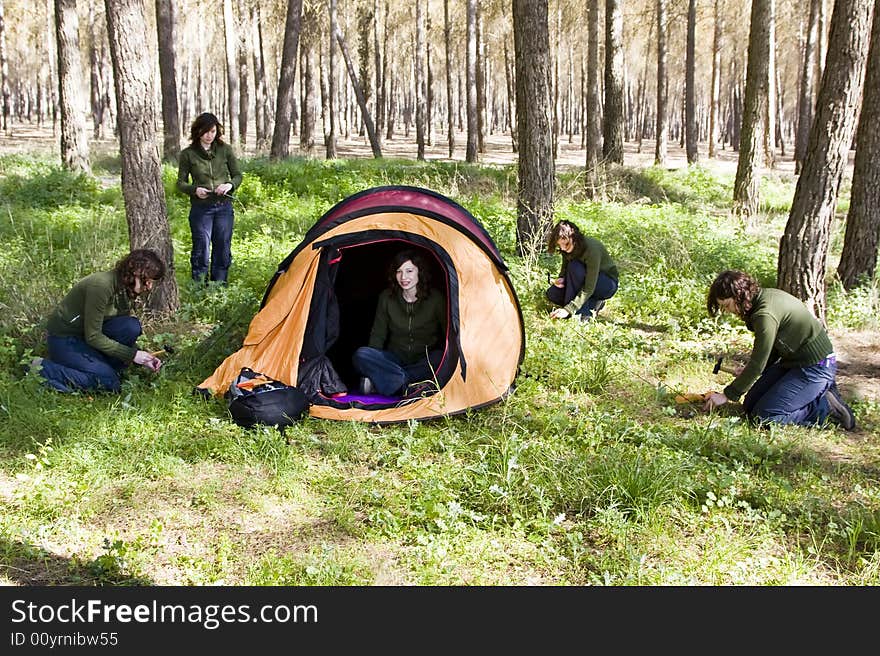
588 473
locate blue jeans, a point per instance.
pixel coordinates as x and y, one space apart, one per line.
389 375
791 396
211 228
575 275
74 365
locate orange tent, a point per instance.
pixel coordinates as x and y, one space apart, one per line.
319 307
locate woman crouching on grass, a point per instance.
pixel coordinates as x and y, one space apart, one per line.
588 276
790 375
91 333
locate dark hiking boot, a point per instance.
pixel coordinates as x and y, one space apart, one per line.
841 414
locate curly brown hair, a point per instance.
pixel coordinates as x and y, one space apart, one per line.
739 286
565 229
202 124
142 263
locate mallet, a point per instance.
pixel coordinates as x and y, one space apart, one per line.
166 348
720 367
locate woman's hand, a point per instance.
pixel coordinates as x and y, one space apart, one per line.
559 282
202 193
715 400
148 360
559 313
224 188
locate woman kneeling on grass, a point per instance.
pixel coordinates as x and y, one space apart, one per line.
91 333
790 375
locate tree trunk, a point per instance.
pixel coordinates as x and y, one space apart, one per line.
803 248
690 111
429 81
858 260
418 67
612 127
594 106
168 80
770 116
310 38
660 148
364 23
142 188
74 139
554 80
806 92
51 77
361 99
715 99
261 99
382 84
471 84
745 186
536 172
96 79
780 113
447 38
583 99
511 93
4 75
232 82
285 97
330 142
821 45
392 107
377 64
570 95
480 77
244 99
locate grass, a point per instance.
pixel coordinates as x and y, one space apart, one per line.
589 474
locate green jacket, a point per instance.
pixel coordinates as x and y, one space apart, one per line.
198 168
595 257
408 330
82 312
785 331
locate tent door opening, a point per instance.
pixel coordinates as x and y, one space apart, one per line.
359 273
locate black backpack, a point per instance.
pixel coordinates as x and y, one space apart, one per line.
257 399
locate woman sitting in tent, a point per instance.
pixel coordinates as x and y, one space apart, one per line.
408 337
588 276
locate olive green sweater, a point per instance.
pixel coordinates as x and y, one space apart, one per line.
595 257
208 169
82 312
784 330
408 330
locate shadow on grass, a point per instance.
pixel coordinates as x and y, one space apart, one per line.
637 325
23 563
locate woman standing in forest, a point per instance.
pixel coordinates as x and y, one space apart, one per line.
790 375
208 173
588 276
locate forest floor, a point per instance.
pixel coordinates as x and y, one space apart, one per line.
858 351
31 138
